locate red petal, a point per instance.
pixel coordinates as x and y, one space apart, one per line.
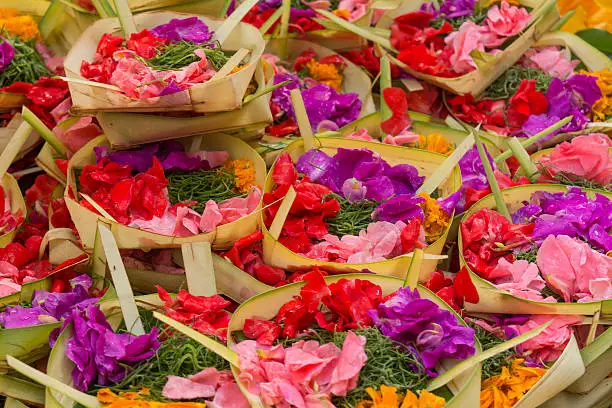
464 286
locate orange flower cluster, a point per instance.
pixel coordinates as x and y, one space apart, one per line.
436 220
435 143
137 400
325 73
244 174
506 389
388 398
21 26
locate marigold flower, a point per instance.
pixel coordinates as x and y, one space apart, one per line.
135 400
506 389
342 13
435 143
436 219
388 398
602 108
22 26
325 73
589 14
244 174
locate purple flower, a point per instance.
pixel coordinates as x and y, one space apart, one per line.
353 190
573 96
282 96
7 53
171 155
49 307
472 170
350 159
450 8
231 8
99 354
405 178
323 102
575 215
537 123
399 208
526 214
320 168
295 14
188 29
451 203
269 4
171 88
19 316
379 189
420 323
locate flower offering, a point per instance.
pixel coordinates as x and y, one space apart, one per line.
357 341
168 58
554 250
354 207
320 80
441 42
162 188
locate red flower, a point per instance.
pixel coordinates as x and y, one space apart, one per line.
60 216
482 232
43 114
99 71
149 199
367 59
349 302
303 59
247 253
526 101
412 29
437 281
298 314
397 102
145 44
305 24
103 174
17 88
257 18
284 173
464 287
423 59
410 236
108 45
427 100
472 196
244 245
205 314
16 254
284 128
334 59
62 164
264 331
41 190
48 92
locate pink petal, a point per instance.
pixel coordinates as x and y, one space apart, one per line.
229 395
185 388
351 361
8 287
211 217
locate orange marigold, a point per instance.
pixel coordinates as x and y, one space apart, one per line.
506 389
436 219
135 400
325 73
244 174
435 143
